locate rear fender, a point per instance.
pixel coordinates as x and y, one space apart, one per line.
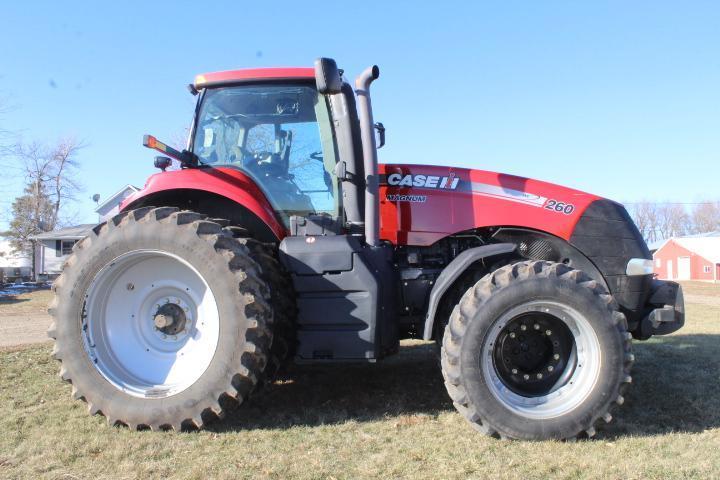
219 192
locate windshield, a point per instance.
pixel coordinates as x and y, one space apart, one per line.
278 135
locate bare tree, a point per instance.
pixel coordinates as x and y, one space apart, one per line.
673 220
51 171
645 215
706 217
50 174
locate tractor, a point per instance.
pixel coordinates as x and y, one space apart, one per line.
277 237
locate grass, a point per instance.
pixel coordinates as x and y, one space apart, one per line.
701 288
390 420
28 303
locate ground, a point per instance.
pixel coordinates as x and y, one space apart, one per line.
390 420
23 317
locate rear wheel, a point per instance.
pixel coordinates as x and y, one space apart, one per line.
536 350
161 319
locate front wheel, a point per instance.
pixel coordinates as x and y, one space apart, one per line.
536 350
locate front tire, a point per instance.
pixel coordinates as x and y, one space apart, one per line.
536 350
161 320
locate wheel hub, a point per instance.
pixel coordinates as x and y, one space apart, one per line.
532 352
170 319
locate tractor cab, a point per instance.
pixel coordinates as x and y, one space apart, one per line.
296 134
280 135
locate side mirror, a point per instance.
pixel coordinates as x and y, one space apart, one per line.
327 76
380 138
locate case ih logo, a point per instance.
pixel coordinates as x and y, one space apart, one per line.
425 181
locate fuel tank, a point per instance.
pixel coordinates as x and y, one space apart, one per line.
420 204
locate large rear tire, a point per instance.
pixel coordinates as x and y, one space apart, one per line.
536 350
161 320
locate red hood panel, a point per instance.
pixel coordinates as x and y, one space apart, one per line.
420 204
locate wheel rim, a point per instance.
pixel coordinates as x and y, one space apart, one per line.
151 323
541 359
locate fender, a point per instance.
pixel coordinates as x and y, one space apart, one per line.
224 181
453 270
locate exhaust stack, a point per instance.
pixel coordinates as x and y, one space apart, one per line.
370 161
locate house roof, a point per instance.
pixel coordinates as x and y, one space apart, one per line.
117 197
706 247
658 244
70 233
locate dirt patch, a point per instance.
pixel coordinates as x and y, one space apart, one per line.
23 329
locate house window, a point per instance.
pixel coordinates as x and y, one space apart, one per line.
66 246
706 269
658 263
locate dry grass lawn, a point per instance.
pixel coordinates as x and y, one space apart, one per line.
29 303
390 420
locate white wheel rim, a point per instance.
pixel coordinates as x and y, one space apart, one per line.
120 334
573 390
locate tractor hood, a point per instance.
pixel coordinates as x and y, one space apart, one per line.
420 204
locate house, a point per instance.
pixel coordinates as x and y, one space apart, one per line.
52 248
14 265
695 257
111 206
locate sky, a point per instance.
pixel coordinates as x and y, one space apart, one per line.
617 98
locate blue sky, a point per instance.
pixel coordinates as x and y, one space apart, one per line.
618 98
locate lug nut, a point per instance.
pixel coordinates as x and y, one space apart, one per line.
556 356
536 326
539 376
548 332
512 334
514 371
551 368
523 327
526 376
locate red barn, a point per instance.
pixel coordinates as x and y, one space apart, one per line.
689 258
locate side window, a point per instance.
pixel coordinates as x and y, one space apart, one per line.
67 246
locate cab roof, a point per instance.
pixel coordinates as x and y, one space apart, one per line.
228 77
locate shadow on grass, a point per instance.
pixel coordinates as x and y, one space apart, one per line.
676 387
11 299
404 384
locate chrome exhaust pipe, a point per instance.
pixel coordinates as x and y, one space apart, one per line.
370 161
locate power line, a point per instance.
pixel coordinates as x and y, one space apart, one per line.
672 203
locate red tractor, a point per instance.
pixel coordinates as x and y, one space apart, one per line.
281 238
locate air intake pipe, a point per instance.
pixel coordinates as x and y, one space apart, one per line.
370 161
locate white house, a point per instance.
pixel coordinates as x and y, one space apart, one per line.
52 248
111 206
